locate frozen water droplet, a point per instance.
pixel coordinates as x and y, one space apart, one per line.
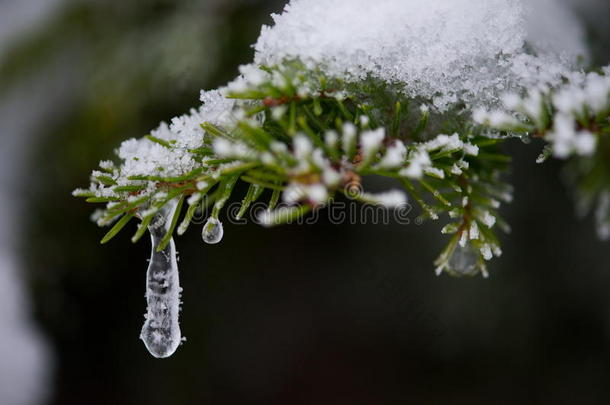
464 260
212 231
161 331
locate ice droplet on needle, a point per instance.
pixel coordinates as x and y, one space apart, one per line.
212 231
464 259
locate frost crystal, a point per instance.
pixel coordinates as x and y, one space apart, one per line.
143 157
419 161
390 199
566 129
395 156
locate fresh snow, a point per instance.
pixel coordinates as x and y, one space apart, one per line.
445 50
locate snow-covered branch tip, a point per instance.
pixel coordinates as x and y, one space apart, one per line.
574 120
348 89
304 138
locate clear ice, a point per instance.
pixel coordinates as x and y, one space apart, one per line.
464 260
161 331
212 231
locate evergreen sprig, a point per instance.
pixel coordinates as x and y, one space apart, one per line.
574 120
306 137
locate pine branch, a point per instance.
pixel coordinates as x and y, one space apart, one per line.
574 120
305 137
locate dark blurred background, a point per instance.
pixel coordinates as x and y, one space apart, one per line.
324 314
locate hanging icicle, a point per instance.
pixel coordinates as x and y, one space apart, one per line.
161 331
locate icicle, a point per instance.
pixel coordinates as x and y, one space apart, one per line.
161 331
464 259
212 231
